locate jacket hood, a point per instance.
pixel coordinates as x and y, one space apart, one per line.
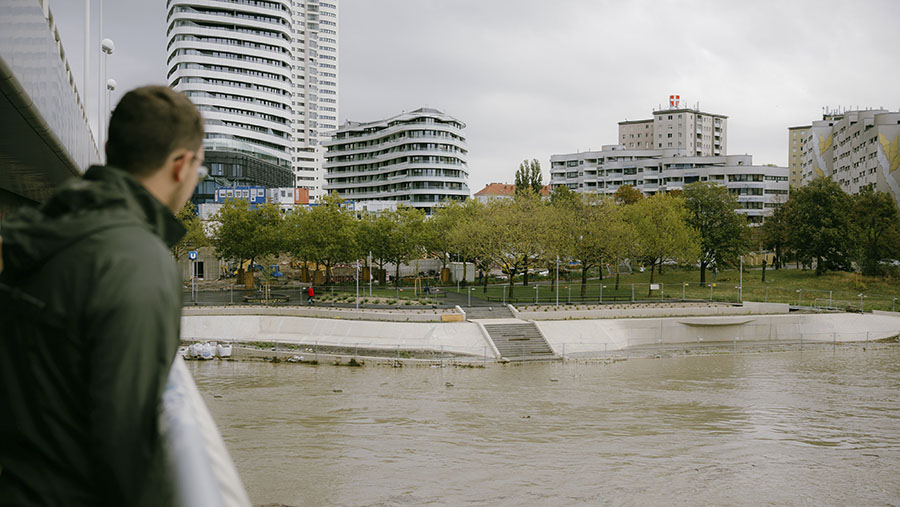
103 198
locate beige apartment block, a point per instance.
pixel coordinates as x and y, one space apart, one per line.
699 133
796 137
636 134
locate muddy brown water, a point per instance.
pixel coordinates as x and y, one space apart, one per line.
792 428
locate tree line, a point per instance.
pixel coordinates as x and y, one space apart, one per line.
818 225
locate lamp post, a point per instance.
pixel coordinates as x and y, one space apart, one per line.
861 296
557 280
741 289
799 296
535 293
470 295
107 47
893 304
357 284
110 87
683 287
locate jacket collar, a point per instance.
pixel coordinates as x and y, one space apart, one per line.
158 218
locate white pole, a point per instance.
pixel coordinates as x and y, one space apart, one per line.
741 290
357 284
87 58
102 83
557 280
370 274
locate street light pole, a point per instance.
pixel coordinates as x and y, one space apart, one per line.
741 289
107 47
357 284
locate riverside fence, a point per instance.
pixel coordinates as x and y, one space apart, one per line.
547 292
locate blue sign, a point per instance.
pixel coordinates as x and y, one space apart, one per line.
192 255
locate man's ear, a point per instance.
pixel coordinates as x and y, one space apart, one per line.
181 163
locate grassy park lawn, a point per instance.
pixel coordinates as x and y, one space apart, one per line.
793 286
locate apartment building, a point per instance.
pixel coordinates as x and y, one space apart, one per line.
264 73
796 137
759 189
697 132
417 159
857 149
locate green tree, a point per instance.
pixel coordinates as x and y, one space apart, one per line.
520 223
372 231
621 238
404 238
195 237
663 233
474 238
821 226
437 239
243 233
876 216
325 235
529 177
775 233
592 223
627 194
723 231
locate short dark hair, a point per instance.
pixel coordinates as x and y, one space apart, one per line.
148 124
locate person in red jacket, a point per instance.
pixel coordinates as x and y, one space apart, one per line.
310 295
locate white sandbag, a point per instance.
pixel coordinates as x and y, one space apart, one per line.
223 350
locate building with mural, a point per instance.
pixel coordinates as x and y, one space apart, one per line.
857 149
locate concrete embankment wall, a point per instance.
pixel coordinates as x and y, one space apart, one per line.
325 312
642 310
583 336
565 336
452 337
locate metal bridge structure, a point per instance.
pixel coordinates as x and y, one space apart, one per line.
45 136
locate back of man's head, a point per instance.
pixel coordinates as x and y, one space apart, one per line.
148 124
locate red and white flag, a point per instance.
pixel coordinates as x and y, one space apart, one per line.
674 100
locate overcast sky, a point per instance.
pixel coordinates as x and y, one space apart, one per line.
532 78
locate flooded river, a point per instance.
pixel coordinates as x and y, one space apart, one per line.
794 428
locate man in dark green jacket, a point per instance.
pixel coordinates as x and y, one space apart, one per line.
90 309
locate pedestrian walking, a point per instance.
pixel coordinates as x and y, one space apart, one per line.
310 295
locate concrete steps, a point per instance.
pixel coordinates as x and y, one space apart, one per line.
488 312
519 341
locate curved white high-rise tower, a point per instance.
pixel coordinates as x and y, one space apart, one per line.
264 75
417 159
